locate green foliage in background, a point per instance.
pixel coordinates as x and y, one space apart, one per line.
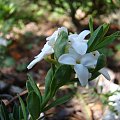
90 7
18 12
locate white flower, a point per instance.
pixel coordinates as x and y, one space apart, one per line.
3 42
78 42
81 64
48 47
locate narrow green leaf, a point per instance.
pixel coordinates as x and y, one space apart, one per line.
16 112
1 114
59 101
94 38
4 115
91 25
105 29
101 62
107 40
29 87
48 91
48 80
33 104
20 113
34 86
23 108
97 37
60 44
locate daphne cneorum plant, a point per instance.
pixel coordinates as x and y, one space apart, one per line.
70 55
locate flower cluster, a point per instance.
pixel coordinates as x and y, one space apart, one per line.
76 55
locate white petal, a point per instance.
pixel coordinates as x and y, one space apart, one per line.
104 72
47 50
72 37
62 29
83 34
89 60
67 59
82 73
74 54
80 47
52 36
34 62
51 39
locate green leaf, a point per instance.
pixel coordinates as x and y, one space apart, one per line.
50 85
16 112
60 44
91 25
101 62
35 88
95 74
94 38
59 101
23 108
4 115
48 80
33 104
97 37
63 75
20 113
105 29
29 87
53 81
107 40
